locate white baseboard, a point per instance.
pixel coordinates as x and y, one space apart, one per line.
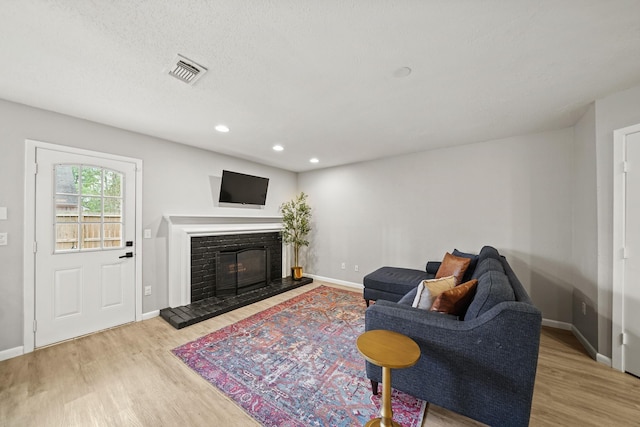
601 358
558 325
337 282
150 314
11 353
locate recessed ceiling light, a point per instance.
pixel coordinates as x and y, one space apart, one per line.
222 128
402 72
278 147
314 160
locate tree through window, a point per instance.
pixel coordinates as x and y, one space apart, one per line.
88 208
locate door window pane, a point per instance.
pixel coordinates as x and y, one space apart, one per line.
112 210
67 179
91 209
91 180
112 183
66 237
88 208
112 235
66 208
91 236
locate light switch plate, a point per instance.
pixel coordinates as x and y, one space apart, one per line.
3 212
147 233
3 239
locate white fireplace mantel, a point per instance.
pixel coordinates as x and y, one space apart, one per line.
181 228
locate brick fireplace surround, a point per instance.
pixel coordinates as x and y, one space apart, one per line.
197 249
209 253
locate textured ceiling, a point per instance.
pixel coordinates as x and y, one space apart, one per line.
318 76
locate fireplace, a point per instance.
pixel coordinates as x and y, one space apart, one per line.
230 265
220 263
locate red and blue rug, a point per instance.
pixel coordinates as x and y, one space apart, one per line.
296 364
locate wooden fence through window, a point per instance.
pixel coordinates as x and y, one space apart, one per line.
91 231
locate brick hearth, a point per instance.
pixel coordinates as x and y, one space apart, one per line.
187 315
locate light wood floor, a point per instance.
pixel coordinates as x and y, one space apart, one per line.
127 376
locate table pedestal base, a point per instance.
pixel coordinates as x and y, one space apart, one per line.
386 414
377 422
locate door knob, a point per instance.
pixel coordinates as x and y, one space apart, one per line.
127 255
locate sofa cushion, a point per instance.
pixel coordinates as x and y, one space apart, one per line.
488 252
472 265
453 266
488 264
493 288
395 280
428 290
455 300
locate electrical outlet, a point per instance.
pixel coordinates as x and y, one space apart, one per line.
344 265
584 308
147 290
355 267
3 239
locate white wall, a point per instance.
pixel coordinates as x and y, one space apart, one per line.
176 179
616 111
522 194
514 194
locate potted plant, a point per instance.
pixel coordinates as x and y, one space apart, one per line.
296 215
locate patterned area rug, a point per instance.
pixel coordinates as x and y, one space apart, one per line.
296 364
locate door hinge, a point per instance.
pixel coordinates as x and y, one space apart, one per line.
624 338
625 166
625 253
35 247
35 169
35 325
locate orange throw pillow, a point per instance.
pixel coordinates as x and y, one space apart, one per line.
455 300
453 266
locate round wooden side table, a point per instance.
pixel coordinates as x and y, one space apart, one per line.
389 350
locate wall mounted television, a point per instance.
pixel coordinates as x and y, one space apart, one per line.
243 189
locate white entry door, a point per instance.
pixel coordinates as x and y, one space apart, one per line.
85 226
631 287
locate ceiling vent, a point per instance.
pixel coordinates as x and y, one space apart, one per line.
186 70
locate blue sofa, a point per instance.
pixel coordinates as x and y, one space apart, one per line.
482 366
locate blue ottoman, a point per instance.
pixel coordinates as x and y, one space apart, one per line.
392 283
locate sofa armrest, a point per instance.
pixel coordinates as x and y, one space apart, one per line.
433 266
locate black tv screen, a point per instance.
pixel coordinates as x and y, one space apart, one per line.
245 189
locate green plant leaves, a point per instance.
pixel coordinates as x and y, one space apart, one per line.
296 217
